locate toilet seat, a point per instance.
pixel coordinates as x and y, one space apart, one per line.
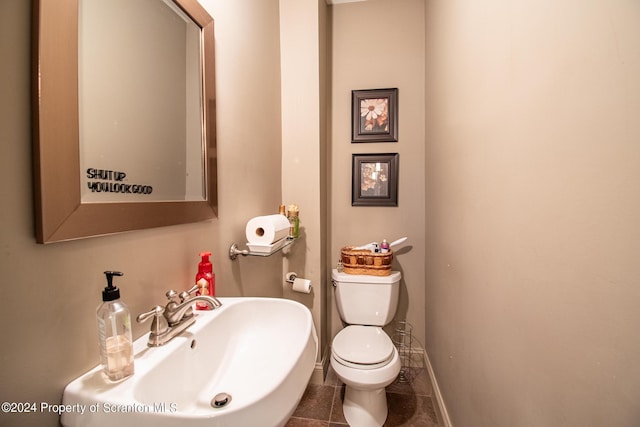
362 347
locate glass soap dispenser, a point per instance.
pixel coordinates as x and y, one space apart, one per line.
114 330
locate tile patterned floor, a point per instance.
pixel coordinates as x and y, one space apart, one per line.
410 404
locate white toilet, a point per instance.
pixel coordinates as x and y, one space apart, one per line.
362 354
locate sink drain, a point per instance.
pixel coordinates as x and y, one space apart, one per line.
221 400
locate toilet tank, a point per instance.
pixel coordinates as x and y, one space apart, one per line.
366 300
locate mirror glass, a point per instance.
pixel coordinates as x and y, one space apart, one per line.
124 116
140 102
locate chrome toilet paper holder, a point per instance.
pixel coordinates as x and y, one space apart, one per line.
298 284
290 277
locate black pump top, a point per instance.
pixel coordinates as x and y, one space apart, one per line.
111 293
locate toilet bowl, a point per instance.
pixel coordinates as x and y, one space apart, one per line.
362 354
366 364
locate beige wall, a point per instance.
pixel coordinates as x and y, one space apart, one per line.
518 192
533 279
49 293
380 44
304 175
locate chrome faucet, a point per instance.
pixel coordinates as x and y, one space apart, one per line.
176 313
171 320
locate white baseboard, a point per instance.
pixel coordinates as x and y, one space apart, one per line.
443 415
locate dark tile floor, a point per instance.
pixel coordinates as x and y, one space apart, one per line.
410 403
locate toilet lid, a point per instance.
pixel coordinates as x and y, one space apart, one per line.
366 347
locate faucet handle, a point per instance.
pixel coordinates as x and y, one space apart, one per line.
185 294
159 326
158 310
171 294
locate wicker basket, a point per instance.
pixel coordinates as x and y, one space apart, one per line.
358 261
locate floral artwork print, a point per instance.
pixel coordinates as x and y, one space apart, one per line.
374 179
374 115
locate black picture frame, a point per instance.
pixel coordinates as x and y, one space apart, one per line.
374 115
374 179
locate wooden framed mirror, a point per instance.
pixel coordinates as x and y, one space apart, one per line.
61 211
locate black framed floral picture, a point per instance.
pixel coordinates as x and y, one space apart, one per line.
374 115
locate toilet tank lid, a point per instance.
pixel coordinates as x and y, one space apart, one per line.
364 278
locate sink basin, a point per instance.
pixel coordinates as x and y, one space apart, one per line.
257 353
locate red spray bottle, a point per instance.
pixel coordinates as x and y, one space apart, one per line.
205 273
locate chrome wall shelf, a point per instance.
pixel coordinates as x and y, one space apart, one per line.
234 251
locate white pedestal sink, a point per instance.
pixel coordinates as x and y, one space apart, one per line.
260 352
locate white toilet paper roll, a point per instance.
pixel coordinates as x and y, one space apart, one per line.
267 229
302 285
